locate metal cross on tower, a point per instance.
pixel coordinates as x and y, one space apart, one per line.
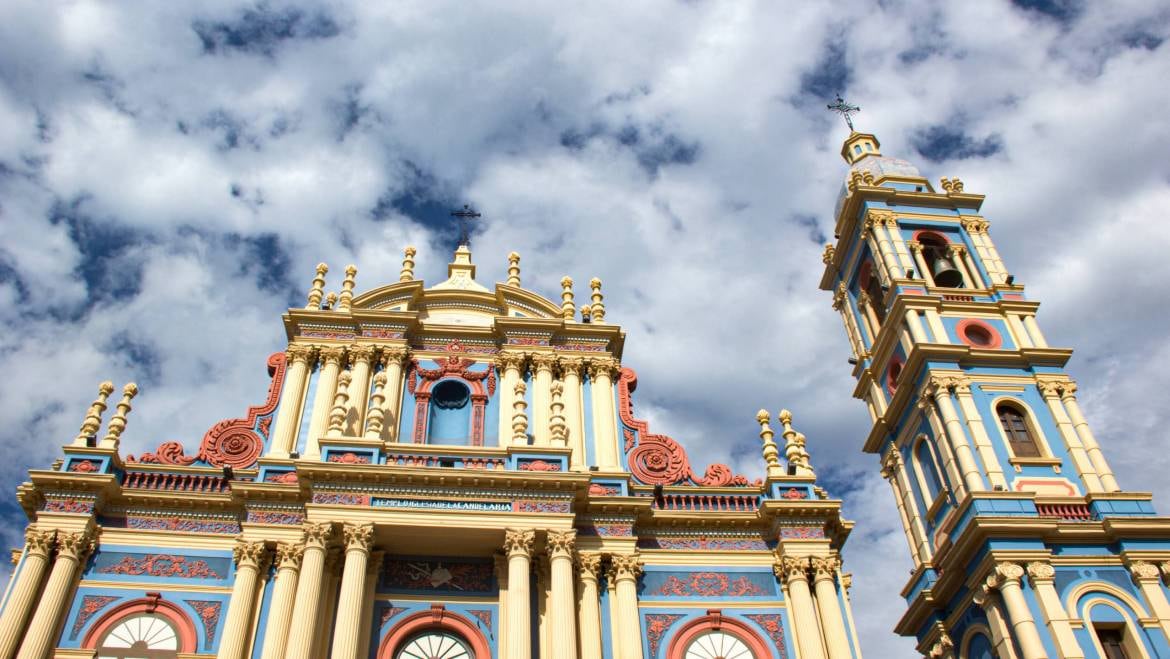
845 110
465 215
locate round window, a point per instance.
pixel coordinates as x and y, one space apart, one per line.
450 395
434 644
718 645
978 334
144 635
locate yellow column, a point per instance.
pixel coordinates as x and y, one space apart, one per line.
1018 332
869 315
605 442
979 432
288 566
829 607
940 390
624 570
365 632
1082 460
976 275
571 372
1068 391
564 615
1001 637
934 321
794 572
37 546
323 400
392 359
501 570
589 605
1042 577
249 558
288 417
542 366
358 540
309 586
1148 580
899 243
926 404
840 304
1034 331
512 366
882 266
955 252
330 587
1006 579
518 545
923 270
914 323
360 357
72 548
892 468
93 417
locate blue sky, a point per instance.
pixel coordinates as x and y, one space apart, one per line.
171 172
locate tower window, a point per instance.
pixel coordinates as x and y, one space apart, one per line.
924 457
1112 642
450 414
942 269
873 288
1019 435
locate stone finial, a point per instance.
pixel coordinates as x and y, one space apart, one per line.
794 443
407 273
514 269
330 301
558 430
567 298
118 422
317 289
520 416
770 450
340 405
597 309
93 417
585 313
376 415
347 288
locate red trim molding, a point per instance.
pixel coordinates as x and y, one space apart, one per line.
438 617
715 621
152 604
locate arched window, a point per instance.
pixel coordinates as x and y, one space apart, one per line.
148 628
1015 427
713 636
450 413
924 458
434 644
717 645
943 271
873 288
434 634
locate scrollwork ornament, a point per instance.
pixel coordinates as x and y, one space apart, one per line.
288 555
318 533
1040 571
519 541
39 542
561 543
1143 571
357 536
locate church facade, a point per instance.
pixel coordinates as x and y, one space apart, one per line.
439 472
1024 543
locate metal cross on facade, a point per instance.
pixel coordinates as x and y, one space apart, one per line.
465 215
845 110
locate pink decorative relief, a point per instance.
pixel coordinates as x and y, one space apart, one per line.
708 584
209 616
350 458
657 624
484 616
161 565
658 459
83 466
231 442
772 624
90 604
539 465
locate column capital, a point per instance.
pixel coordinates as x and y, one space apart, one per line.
1142 571
332 355
288 555
318 534
914 246
825 568
791 568
361 352
39 542
511 360
829 254
543 362
863 299
394 355
1004 574
839 296
943 647
606 366
1040 572
561 543
76 545
625 566
519 542
299 352
357 537
956 249
589 563
892 464
248 553
1049 388
974 224
879 216
574 365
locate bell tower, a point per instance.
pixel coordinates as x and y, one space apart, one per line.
1024 544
